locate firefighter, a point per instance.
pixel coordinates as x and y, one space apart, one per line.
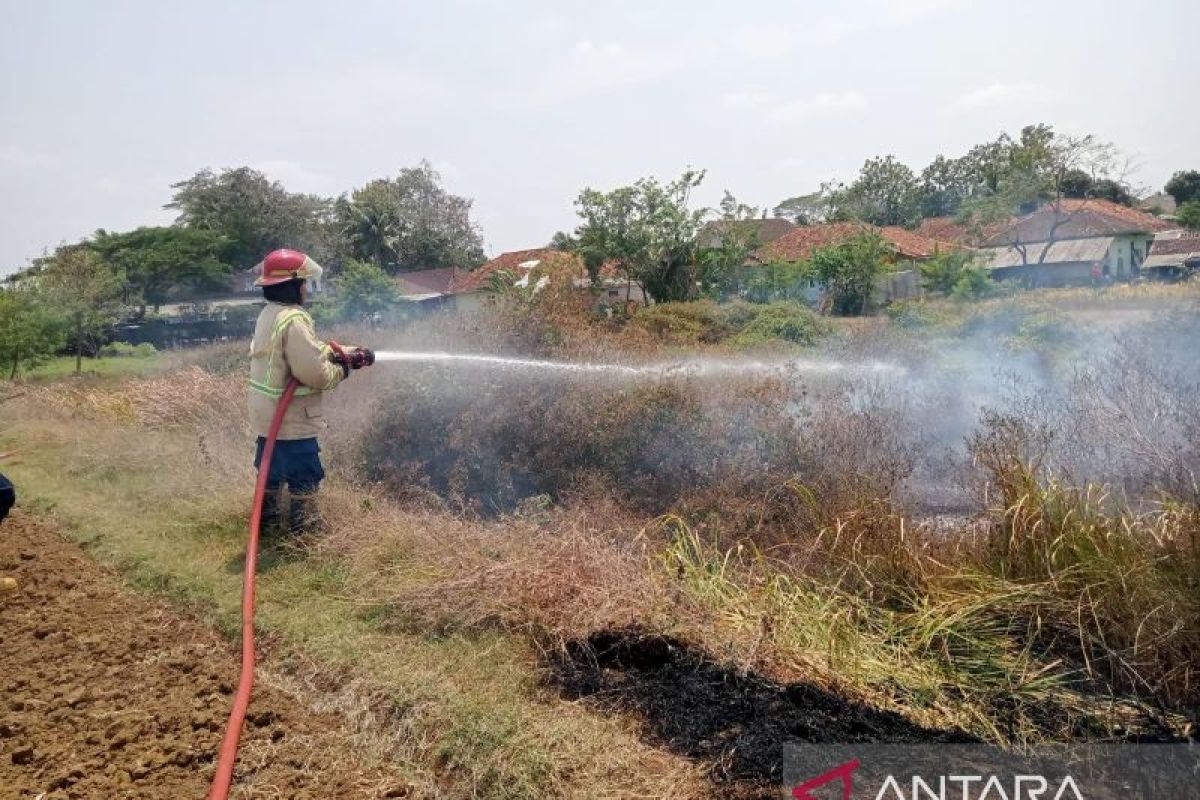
285 346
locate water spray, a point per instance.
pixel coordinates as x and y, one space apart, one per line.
704 367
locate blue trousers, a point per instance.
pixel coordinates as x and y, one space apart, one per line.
295 463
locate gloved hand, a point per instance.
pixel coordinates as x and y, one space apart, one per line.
359 357
349 358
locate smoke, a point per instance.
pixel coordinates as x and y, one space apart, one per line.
466 415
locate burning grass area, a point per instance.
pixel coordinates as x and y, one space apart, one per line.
558 586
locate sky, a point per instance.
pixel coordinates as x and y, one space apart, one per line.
521 104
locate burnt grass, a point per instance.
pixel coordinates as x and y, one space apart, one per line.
736 721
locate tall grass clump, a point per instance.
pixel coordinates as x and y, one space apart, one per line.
1112 589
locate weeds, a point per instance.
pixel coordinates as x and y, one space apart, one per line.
480 525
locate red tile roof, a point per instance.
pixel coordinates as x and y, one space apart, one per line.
1176 243
1078 218
799 244
948 229
476 279
427 281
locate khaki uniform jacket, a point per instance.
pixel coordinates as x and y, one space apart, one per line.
285 345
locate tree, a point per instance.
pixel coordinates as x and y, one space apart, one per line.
1184 186
722 266
1077 183
85 293
884 193
648 230
1189 215
945 184
410 222
974 283
163 264
561 240
364 289
849 271
942 272
804 209
256 215
29 332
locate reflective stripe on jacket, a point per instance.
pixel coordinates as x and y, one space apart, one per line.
285 345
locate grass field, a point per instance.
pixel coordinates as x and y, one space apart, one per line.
103 367
628 626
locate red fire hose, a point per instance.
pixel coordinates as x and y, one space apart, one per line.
237 716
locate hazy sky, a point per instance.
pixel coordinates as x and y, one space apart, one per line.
521 104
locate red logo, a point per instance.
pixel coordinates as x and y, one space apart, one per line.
845 772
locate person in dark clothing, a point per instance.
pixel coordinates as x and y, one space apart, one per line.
8 497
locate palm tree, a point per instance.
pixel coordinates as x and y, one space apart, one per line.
373 232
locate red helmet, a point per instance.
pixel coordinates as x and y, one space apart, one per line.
286 265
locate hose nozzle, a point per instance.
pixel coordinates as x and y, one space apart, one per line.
351 357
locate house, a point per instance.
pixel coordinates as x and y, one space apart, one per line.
759 231
1173 255
949 229
1071 241
470 289
907 247
800 243
429 288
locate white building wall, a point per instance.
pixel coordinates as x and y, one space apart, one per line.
1125 254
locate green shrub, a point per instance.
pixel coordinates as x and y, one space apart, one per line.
974 283
781 322
700 321
739 323
919 314
127 350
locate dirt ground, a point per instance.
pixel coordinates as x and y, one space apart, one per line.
105 693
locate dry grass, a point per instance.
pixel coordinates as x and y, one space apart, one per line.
1058 612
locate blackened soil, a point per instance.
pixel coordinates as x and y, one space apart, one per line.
734 720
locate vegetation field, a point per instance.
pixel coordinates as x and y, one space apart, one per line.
963 522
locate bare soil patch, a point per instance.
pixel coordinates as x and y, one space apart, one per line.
106 693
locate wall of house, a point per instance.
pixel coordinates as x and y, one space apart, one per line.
1126 254
1047 275
617 292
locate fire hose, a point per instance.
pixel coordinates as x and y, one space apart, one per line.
227 755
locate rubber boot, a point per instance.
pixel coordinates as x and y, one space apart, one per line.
304 518
272 517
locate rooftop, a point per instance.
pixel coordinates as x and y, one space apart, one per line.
800 243
427 281
1064 251
767 230
1078 218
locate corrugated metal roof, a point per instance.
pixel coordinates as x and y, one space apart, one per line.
1170 260
1066 251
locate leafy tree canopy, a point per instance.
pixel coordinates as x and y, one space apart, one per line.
849 271
885 193
254 213
410 222
85 293
1184 186
805 209
1189 215
166 263
30 332
649 231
